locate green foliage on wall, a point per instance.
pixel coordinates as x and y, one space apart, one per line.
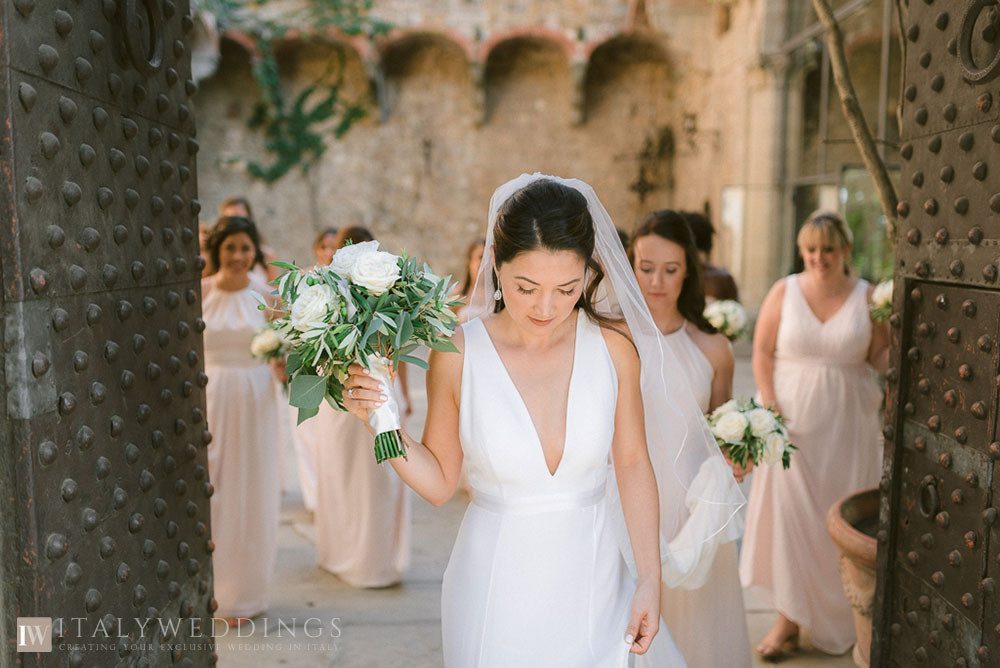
297 130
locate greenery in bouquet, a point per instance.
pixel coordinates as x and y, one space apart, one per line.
728 317
750 432
881 306
368 307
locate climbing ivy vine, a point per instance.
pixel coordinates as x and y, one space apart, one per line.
297 130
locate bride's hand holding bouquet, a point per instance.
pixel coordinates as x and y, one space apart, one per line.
367 310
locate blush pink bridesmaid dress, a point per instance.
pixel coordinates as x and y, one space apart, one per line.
826 390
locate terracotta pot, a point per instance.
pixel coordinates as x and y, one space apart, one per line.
847 522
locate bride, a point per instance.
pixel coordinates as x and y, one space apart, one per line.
546 387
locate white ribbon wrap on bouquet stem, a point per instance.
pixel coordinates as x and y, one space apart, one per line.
385 418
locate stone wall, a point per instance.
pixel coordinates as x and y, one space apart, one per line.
455 121
669 109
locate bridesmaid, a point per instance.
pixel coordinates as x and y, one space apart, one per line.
473 260
324 246
237 205
247 416
814 347
362 509
708 623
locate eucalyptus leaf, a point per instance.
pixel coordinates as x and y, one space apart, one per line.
306 391
306 413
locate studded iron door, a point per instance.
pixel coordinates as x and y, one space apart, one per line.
937 602
104 493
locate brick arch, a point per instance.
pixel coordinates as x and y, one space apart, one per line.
641 42
607 60
417 36
358 44
547 53
242 39
529 33
405 53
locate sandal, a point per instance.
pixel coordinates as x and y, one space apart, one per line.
777 652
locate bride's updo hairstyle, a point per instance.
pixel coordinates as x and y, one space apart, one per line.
671 226
548 216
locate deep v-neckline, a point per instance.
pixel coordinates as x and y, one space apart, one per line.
524 405
842 307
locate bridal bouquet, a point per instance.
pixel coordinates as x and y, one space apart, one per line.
727 316
881 307
267 344
751 432
367 306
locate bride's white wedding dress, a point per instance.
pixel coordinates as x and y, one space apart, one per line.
536 578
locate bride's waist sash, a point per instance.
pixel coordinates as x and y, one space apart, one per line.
532 505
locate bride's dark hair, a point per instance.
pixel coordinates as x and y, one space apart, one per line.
546 215
671 226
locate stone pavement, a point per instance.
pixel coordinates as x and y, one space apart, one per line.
325 623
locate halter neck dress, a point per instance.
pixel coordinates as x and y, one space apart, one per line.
708 623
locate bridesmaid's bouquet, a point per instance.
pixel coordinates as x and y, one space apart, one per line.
751 432
367 306
727 316
881 306
267 344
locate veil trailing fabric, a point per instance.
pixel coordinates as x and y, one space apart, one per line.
699 498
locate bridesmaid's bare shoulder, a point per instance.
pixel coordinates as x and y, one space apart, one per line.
716 347
777 290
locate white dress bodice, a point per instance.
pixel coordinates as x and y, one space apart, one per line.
696 367
536 578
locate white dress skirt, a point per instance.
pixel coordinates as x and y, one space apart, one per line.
247 417
709 623
536 578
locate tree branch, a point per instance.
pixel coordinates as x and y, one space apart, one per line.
852 112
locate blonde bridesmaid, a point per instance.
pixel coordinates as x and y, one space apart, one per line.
815 347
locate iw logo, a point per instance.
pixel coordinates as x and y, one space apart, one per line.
34 634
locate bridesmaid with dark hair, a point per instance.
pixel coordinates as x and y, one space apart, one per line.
325 245
248 419
667 268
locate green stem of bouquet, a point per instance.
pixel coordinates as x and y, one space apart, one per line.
388 446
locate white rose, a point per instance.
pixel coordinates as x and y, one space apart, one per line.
728 407
714 315
375 270
762 422
735 315
311 306
731 427
882 294
344 259
774 448
264 343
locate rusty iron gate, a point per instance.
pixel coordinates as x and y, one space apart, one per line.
104 491
937 600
